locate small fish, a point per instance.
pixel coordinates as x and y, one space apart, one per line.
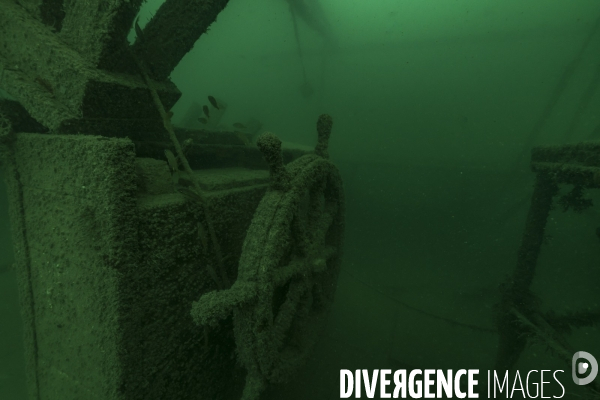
203 120
172 160
205 109
213 101
170 115
187 143
237 125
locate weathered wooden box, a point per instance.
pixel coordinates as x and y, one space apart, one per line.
109 261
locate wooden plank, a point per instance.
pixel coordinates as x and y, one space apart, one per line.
584 153
570 173
172 32
57 85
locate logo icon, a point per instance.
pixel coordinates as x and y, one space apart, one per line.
590 365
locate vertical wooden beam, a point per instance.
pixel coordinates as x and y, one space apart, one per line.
516 293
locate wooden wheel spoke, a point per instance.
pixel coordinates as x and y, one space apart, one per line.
300 234
286 273
321 227
316 203
317 206
287 311
302 265
305 304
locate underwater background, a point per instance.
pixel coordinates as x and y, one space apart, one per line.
433 104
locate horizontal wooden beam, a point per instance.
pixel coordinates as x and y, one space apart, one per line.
573 174
584 153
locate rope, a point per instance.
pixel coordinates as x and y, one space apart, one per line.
13 180
423 312
297 35
198 191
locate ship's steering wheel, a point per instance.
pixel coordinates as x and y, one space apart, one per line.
288 268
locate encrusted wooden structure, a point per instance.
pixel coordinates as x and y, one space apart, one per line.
70 65
289 266
109 254
109 261
519 316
